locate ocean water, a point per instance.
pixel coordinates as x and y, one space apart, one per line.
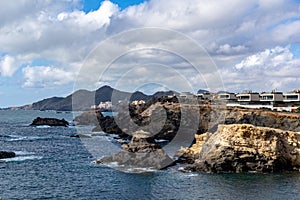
51 165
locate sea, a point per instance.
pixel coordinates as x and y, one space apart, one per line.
52 165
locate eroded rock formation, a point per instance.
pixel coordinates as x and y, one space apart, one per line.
198 118
245 148
141 152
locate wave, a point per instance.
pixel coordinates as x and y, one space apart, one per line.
13 138
22 153
43 126
128 169
22 158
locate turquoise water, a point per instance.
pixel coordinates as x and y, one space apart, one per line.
51 165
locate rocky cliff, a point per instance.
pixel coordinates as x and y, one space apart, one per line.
227 139
196 118
265 118
245 148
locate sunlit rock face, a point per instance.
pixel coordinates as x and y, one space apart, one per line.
246 148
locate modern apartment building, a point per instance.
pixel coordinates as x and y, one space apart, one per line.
248 98
271 98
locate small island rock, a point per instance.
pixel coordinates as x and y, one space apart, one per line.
7 154
49 122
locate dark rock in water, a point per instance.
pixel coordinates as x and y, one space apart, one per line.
49 121
141 152
7 154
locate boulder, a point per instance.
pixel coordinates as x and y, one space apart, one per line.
141 152
247 148
49 122
7 154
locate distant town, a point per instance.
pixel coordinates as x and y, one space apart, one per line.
273 100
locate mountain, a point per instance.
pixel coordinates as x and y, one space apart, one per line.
201 91
83 99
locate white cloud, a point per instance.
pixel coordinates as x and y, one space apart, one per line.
91 21
233 31
8 66
268 58
45 76
227 49
274 68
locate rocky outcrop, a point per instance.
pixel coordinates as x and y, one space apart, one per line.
7 154
194 117
49 122
246 148
167 116
265 118
89 118
189 155
141 152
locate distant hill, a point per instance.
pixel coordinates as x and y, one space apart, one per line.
83 99
201 91
164 93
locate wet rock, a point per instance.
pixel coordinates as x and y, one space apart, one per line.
49 122
7 154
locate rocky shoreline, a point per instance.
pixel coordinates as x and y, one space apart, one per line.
227 140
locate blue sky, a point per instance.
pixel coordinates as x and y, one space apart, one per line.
90 5
44 45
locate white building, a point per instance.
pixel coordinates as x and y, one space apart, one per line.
136 102
105 105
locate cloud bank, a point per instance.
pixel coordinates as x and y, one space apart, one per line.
248 40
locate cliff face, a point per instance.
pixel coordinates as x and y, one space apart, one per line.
191 118
284 121
244 148
189 155
227 139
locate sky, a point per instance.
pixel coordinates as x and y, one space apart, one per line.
51 48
